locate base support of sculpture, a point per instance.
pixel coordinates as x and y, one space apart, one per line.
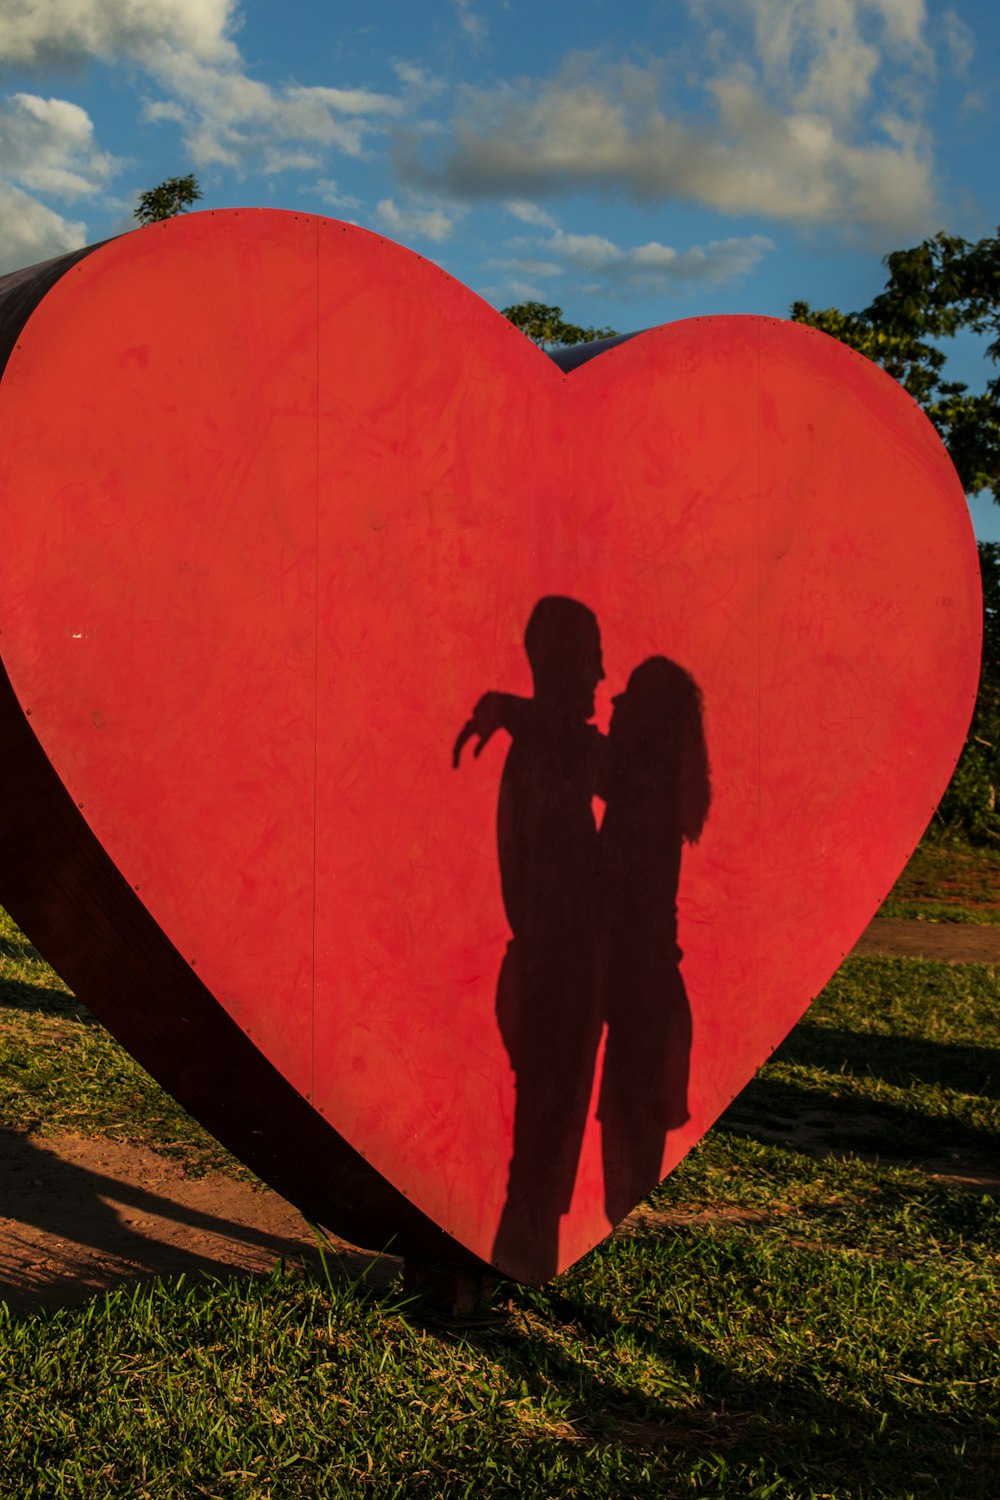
450 1292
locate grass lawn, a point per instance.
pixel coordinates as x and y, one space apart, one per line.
808 1307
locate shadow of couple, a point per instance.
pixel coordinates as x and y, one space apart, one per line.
593 917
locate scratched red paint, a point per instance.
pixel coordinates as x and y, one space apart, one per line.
278 499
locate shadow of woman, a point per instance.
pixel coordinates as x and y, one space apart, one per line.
657 790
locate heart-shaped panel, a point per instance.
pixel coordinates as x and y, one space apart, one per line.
281 503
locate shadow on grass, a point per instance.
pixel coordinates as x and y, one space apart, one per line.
789 1422
814 1119
18 948
896 1060
16 995
50 1203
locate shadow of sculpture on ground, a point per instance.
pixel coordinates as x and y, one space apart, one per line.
83 1215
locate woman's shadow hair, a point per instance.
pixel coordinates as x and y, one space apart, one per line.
657 789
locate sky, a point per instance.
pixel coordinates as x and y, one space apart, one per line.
631 161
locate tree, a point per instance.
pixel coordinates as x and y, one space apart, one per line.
173 196
935 290
545 327
970 808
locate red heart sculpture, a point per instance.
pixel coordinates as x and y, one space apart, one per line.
279 501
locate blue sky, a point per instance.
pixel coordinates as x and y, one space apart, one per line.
633 161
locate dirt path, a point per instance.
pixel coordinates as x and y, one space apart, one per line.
945 942
82 1215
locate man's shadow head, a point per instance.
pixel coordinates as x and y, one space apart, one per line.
563 644
656 742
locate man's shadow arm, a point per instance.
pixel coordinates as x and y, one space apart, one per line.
493 711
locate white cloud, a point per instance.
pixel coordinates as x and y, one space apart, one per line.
827 54
33 232
419 84
529 213
273 159
48 146
165 109
232 120
521 291
526 265
654 267
42 33
196 80
716 262
427 223
590 251
621 272
328 191
807 111
959 41
472 23
187 49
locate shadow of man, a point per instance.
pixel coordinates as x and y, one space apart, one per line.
546 1000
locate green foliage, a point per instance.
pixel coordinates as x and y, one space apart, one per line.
935 290
545 327
167 199
989 561
970 807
